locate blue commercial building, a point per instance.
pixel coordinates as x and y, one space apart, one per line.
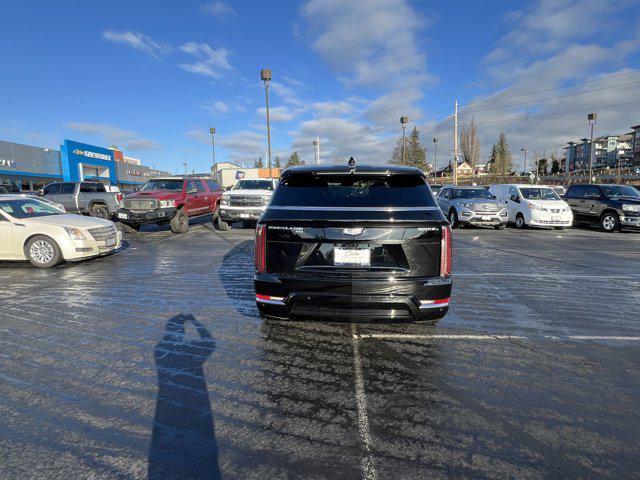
30 168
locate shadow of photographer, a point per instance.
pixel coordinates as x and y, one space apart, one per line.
183 440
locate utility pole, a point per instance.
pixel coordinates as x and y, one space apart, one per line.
455 143
435 157
316 148
265 76
212 131
592 121
403 121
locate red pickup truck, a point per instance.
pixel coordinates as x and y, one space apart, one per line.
170 200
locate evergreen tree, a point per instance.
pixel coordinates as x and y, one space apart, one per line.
504 159
277 162
542 166
258 163
294 159
416 154
555 166
396 155
492 164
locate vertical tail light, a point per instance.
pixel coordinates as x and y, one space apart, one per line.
261 248
119 197
445 252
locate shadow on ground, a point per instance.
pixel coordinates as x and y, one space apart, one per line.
183 441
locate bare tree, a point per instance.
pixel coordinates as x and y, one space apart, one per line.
469 143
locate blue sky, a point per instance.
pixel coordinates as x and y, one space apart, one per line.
152 77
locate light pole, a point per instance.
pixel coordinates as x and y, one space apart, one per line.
265 76
212 131
524 169
403 121
316 148
185 168
435 158
592 121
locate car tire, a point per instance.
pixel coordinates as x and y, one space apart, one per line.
43 252
610 222
222 225
99 211
500 227
129 227
453 218
520 223
180 222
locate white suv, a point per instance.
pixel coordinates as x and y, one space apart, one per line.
533 205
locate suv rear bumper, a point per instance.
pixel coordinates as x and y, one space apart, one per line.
149 216
304 298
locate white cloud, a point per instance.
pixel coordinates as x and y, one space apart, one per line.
209 62
138 41
217 107
218 9
534 57
372 42
281 113
244 145
125 139
199 135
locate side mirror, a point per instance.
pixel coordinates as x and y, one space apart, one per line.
514 198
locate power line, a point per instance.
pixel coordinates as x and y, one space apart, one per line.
560 87
551 98
517 119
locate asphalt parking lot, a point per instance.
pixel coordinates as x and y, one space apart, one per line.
153 362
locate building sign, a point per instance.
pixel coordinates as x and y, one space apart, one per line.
136 173
7 163
88 154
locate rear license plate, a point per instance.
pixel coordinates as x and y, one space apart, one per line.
123 215
244 215
353 257
109 242
486 217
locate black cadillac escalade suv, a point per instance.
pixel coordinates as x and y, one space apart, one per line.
353 243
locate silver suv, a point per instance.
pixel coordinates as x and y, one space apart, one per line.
471 206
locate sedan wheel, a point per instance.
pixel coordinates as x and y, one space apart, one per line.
520 221
43 252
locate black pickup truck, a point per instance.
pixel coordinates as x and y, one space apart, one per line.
612 207
354 243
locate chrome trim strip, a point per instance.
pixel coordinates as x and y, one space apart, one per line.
433 305
356 209
272 301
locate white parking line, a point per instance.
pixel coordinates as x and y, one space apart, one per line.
367 464
410 336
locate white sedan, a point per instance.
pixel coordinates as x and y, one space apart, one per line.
33 230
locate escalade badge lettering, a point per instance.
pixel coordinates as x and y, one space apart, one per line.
353 231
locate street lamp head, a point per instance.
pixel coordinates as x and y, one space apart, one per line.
404 120
265 74
435 140
212 130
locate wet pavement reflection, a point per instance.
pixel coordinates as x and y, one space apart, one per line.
153 363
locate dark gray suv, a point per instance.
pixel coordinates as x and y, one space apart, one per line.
471 206
609 206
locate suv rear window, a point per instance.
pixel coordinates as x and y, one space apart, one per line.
348 190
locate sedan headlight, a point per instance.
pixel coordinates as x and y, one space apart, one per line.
75 233
167 203
536 207
266 200
224 200
630 207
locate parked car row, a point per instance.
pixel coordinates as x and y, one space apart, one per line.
611 207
